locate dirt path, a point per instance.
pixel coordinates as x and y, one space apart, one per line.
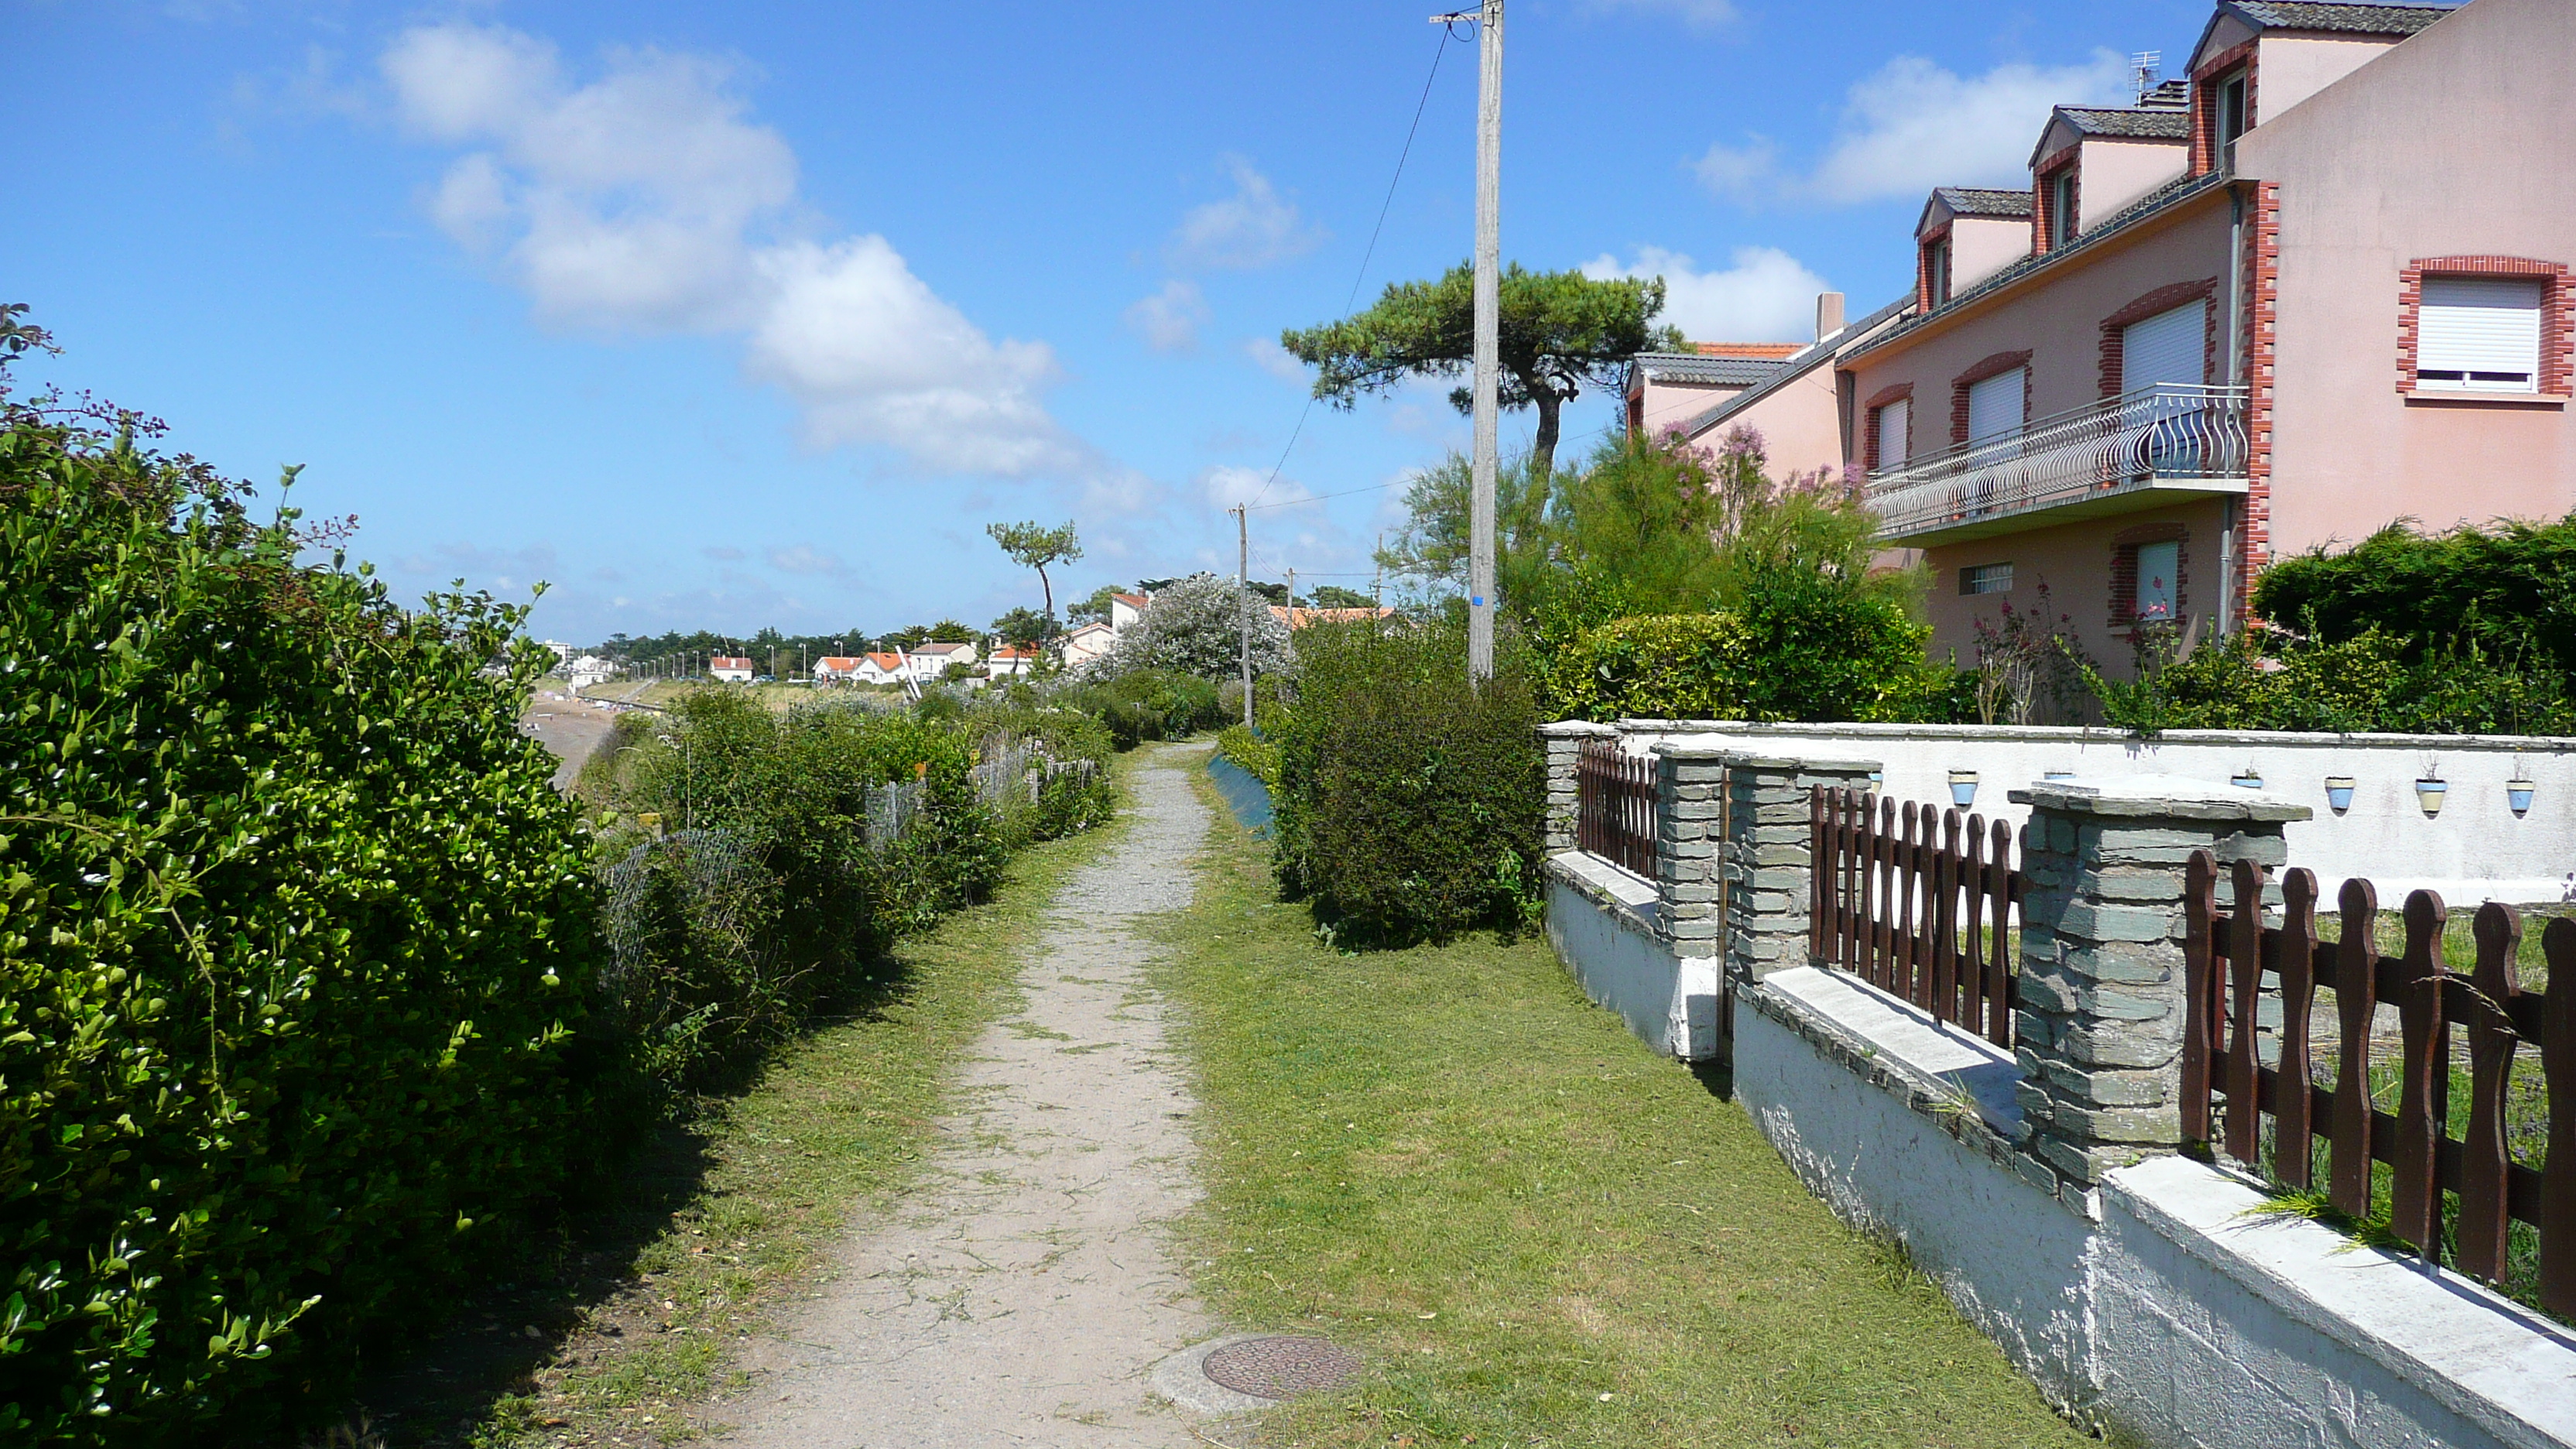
1020 1296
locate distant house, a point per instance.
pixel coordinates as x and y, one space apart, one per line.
880 667
1126 609
730 668
1009 659
837 668
1088 642
1667 388
931 660
1302 618
589 669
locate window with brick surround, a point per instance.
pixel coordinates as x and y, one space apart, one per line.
1889 429
1993 578
2150 575
2485 324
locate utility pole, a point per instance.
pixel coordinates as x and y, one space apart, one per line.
1243 600
1292 598
1489 263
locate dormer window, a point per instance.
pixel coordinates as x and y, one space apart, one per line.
1936 272
2230 115
2061 208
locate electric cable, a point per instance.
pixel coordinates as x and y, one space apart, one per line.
1448 34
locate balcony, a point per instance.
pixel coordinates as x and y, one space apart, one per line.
2158 445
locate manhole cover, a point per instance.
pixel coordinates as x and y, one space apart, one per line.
1280 1368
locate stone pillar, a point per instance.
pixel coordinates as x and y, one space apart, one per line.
1768 856
1688 818
1563 742
2101 1015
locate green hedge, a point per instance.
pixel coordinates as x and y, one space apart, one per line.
291 936
1409 806
1801 653
2509 589
2376 683
1256 754
1146 704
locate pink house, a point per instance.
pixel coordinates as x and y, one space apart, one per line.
2317 286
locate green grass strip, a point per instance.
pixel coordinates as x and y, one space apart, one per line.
1536 1230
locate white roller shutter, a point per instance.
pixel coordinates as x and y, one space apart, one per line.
2168 347
1994 406
2478 334
1892 427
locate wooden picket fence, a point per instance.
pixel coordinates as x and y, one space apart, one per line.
1920 901
2225 1080
1614 806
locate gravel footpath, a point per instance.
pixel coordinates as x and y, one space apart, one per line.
1022 1293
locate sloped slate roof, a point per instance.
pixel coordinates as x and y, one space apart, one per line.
1795 368
1693 367
2153 124
2351 19
1984 201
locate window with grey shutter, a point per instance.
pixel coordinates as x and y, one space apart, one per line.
2168 347
1892 421
1995 405
2478 334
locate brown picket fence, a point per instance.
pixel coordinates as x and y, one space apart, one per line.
1614 806
2225 1081
1920 901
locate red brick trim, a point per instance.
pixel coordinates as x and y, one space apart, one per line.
2557 312
2162 299
1995 366
2204 103
1902 392
2262 316
2043 190
2124 571
1923 279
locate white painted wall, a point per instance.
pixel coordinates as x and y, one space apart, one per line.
2476 850
1600 919
2178 1317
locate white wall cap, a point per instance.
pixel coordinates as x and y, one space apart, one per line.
2169 796
2097 735
1904 1037
1577 729
2484 1357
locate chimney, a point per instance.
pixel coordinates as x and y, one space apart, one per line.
1829 314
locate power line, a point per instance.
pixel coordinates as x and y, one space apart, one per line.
1448 33
1320 497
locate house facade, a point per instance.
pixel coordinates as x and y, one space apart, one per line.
1009 660
2319 286
2316 285
730 668
932 660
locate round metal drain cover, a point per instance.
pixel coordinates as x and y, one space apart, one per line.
1280 1368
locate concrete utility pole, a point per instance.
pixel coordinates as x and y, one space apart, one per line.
1243 600
1489 311
1292 597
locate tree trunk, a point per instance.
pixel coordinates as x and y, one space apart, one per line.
1543 448
1045 643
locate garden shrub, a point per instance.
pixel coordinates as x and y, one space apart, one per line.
292 932
2509 589
1409 805
2261 679
1146 704
1668 666
1247 747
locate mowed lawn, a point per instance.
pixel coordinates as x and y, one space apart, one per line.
1536 1230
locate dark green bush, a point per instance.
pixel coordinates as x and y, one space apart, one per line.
292 933
2509 589
1408 805
1147 704
2375 683
1668 666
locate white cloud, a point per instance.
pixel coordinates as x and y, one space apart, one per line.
1170 320
1278 361
806 559
1250 229
1697 14
1766 296
1914 125
1227 485
645 200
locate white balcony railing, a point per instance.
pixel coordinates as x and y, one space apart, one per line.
2101 458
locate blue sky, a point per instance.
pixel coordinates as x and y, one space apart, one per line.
745 315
